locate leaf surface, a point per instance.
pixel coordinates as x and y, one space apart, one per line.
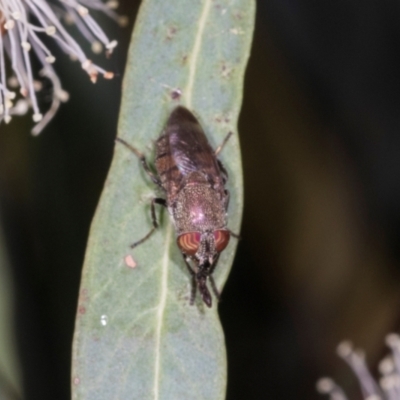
136 336
10 379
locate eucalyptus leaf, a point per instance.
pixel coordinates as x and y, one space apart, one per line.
137 336
10 379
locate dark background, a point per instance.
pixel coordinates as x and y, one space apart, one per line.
319 256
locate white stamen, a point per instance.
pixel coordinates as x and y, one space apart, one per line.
10 95
13 82
51 30
93 76
50 59
112 4
123 21
62 95
82 11
21 108
97 47
37 85
9 24
86 64
69 19
108 75
16 15
344 349
111 45
26 46
386 366
37 117
25 22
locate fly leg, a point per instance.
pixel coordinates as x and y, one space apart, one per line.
235 235
226 204
221 146
194 284
218 150
143 160
226 200
154 201
212 281
224 172
214 288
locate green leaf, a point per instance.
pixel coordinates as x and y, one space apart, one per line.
10 379
137 337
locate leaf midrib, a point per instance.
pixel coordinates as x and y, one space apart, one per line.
195 53
161 311
164 278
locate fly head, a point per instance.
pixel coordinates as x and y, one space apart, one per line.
203 248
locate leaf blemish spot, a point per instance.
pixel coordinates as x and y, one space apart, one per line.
176 94
84 294
224 120
226 71
236 31
82 310
171 31
130 262
103 320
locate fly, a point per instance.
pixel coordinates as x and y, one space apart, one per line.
193 182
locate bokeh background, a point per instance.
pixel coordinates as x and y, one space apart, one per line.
319 257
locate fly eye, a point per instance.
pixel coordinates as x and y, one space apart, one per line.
221 238
189 242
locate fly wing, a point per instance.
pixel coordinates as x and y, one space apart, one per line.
168 172
191 158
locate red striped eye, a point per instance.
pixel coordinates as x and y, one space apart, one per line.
189 242
221 238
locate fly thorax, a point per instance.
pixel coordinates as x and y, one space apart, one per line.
198 208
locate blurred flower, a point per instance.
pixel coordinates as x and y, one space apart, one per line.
389 383
23 25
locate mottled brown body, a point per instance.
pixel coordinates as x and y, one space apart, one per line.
193 180
191 175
